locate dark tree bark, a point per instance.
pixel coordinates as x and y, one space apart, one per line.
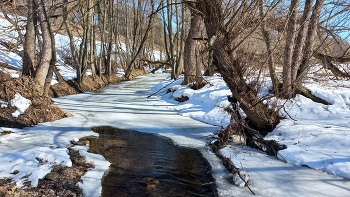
190 56
29 43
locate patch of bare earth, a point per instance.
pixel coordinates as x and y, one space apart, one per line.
40 110
61 181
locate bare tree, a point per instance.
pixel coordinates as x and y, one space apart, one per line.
191 48
29 42
299 45
144 37
46 53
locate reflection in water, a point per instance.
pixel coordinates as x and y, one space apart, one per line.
150 165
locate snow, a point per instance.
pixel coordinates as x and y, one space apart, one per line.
315 163
11 72
129 108
3 104
89 180
317 135
32 164
20 103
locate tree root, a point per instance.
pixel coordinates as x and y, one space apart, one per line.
227 161
251 136
305 92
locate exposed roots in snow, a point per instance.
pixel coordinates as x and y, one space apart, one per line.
240 178
252 138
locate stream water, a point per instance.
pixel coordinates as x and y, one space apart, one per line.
145 164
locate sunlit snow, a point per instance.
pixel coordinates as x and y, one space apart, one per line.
316 162
20 103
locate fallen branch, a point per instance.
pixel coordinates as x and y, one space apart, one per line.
327 64
162 88
307 93
230 166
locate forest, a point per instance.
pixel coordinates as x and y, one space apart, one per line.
241 40
246 42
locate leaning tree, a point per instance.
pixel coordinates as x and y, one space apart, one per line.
227 29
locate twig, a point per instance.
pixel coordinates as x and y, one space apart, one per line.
162 88
246 183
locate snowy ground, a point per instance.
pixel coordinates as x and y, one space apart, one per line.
316 135
125 105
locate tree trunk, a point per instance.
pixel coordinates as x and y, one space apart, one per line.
29 43
74 54
190 56
309 42
51 68
171 41
46 54
260 116
266 35
288 50
140 48
300 40
91 43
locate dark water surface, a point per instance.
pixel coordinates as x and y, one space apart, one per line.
150 165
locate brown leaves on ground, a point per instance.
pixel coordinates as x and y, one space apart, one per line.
61 181
40 110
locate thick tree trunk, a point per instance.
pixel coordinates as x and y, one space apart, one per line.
190 50
260 116
29 43
287 87
46 53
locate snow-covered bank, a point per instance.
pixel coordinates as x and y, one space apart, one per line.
126 106
317 135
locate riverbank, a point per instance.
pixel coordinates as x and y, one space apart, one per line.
40 108
126 106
